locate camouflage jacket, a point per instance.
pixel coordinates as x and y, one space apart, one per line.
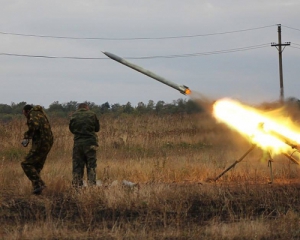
39 129
84 124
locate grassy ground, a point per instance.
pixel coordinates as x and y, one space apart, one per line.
170 158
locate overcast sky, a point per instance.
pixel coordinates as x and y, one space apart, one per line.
216 31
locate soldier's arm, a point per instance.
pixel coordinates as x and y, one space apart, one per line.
71 126
32 126
97 124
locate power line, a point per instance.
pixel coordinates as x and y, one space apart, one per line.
208 53
295 47
52 57
145 57
134 38
291 28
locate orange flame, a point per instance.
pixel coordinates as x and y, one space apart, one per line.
258 126
188 91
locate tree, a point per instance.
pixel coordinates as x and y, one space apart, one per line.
180 105
117 108
159 106
141 108
150 106
128 108
18 108
193 107
104 108
70 106
4 108
56 107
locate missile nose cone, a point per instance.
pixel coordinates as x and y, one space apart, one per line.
107 54
114 57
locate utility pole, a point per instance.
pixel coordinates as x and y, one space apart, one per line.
280 50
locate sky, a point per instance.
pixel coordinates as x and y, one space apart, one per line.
53 50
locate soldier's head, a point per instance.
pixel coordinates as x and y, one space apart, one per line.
83 105
26 109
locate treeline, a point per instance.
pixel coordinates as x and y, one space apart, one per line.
64 110
8 112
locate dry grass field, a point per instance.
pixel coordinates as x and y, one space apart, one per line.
170 157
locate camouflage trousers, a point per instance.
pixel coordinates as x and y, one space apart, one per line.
34 163
84 156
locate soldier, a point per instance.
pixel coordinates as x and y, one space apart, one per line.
39 130
84 124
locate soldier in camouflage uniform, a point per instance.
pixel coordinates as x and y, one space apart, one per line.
39 131
84 124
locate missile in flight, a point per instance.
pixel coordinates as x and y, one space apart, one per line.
181 88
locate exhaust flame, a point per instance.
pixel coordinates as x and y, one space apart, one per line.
188 91
276 134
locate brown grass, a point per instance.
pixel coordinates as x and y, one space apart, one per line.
170 157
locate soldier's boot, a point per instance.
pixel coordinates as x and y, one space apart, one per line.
38 187
91 175
77 181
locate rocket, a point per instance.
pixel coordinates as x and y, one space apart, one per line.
181 88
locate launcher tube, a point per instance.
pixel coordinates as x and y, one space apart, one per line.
181 88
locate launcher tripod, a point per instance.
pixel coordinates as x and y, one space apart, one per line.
289 156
